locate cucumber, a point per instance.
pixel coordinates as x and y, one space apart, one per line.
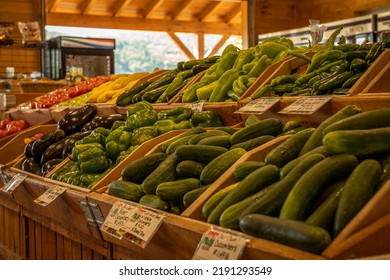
288 149
358 142
165 171
177 143
269 126
272 201
323 215
192 195
199 153
227 129
192 131
253 143
297 234
292 163
254 182
153 201
315 139
358 190
126 190
215 168
175 190
220 141
213 200
385 170
230 216
245 168
252 119
307 189
189 169
216 132
139 169
365 120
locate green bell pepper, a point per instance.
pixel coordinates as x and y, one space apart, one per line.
205 119
92 138
96 165
144 134
117 124
101 130
144 117
77 150
138 107
117 141
177 114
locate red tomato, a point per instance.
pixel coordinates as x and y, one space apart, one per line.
12 128
5 122
3 133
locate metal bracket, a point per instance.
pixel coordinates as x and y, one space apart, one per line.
87 212
3 177
97 213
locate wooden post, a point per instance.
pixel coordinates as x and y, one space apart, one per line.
248 12
200 45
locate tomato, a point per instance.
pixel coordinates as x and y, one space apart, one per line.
12 128
4 122
3 133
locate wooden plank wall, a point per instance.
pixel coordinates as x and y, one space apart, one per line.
24 60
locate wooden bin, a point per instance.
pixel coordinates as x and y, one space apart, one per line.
102 109
33 116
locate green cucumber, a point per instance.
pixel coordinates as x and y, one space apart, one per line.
315 139
358 142
126 190
358 190
269 126
199 153
245 168
252 119
213 200
221 141
253 143
177 143
254 182
189 169
288 149
215 168
192 131
175 190
165 171
139 169
297 234
216 132
365 120
153 201
307 189
272 201
227 129
192 195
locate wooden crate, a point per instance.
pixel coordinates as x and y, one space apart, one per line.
33 116
102 109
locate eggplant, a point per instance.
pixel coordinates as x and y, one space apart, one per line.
54 150
72 140
73 121
40 145
30 165
105 121
50 165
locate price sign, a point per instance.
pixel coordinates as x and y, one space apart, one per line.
141 226
49 195
220 244
16 180
258 106
197 106
119 213
306 105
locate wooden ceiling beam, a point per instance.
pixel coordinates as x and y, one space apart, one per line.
60 19
153 5
217 46
52 5
119 6
86 6
233 13
180 8
208 10
181 46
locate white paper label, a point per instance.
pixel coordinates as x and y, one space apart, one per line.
114 220
306 105
220 244
49 195
14 183
197 106
258 106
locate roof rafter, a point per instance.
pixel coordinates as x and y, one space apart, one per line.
52 5
179 9
153 5
119 6
86 6
208 10
232 14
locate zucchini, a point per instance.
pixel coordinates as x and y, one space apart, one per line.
358 142
269 126
139 169
213 200
153 201
189 169
253 143
365 120
297 234
216 132
272 201
175 190
192 195
165 171
358 190
215 168
221 141
315 139
245 168
126 190
288 149
199 153
254 182
307 189
191 131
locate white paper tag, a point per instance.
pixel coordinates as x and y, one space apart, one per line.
306 105
258 106
12 184
49 195
115 219
221 244
197 106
